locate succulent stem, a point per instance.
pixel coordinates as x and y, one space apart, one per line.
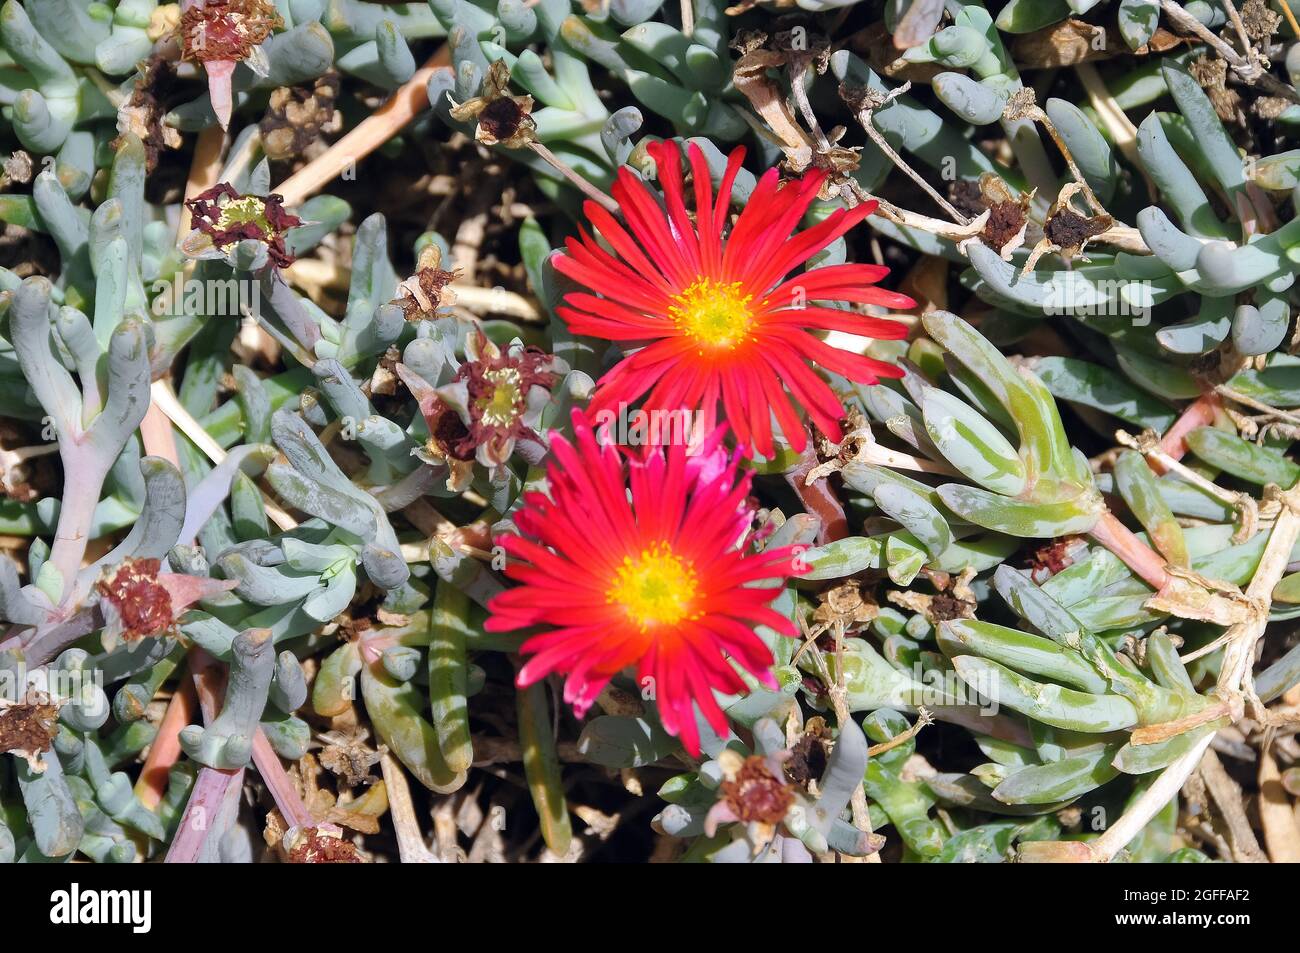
1137 555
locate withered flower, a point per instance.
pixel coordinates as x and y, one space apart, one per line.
28 727
1065 231
222 218
1054 557
221 33
226 29
140 601
1008 220
297 115
142 114
495 400
809 754
756 794
16 168
503 119
449 442
754 791
1070 231
319 845
850 604
500 395
421 295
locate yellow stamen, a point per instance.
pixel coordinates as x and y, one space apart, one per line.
657 588
241 211
716 315
501 409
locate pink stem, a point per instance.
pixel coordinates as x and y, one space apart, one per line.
819 498
208 801
219 74
1200 413
212 786
286 798
1137 555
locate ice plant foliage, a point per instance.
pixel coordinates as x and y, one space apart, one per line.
642 562
721 318
1102 539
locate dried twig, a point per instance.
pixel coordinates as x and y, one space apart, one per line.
1248 70
372 132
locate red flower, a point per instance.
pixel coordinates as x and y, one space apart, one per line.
658 579
722 320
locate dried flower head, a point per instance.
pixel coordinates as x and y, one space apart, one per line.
143 605
424 293
17 168
222 218
226 29
850 604
503 119
448 444
297 115
28 727
319 845
142 114
499 395
757 794
1065 231
140 601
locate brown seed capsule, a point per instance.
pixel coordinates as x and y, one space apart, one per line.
29 726
313 845
757 794
502 119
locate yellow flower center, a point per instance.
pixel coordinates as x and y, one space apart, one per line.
656 588
716 315
242 211
501 409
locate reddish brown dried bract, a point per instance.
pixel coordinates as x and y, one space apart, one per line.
1005 221
316 848
29 727
757 794
432 281
226 29
142 603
